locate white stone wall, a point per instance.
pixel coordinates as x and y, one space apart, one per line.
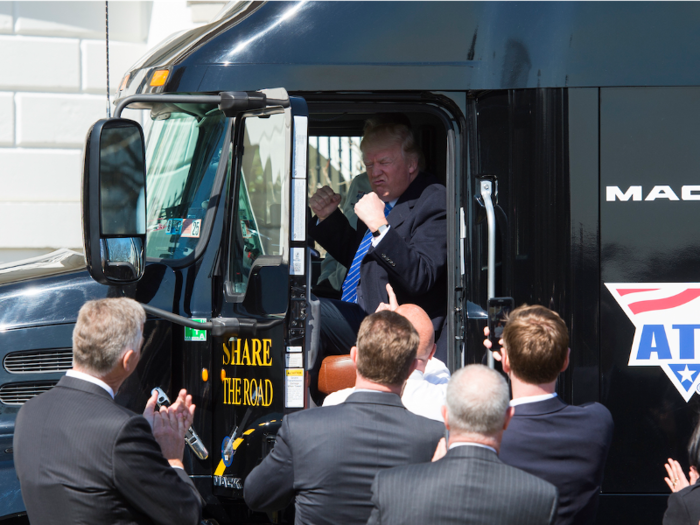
52 88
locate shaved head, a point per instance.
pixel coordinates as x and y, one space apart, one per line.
424 326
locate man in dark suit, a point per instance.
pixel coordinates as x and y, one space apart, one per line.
468 483
327 457
400 239
81 458
564 444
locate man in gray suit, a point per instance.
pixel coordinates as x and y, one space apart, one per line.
81 458
469 484
327 457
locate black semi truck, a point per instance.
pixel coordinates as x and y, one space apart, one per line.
567 135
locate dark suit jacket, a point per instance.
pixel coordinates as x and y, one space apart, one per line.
329 456
470 485
412 256
566 445
683 507
83 459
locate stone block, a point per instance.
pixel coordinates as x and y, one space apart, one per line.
204 12
49 121
28 175
7 120
6 18
36 63
20 254
40 225
128 21
121 57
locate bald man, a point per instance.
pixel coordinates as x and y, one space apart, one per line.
424 392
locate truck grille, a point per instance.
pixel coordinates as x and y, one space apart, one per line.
20 393
53 360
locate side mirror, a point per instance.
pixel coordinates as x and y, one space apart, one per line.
114 201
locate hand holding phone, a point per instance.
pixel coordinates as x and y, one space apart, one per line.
498 310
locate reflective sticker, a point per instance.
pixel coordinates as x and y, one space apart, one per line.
192 334
301 143
294 388
299 209
247 228
174 227
160 224
667 329
294 360
296 263
227 453
191 228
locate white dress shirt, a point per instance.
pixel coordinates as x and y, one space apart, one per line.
464 444
91 379
531 399
436 372
420 395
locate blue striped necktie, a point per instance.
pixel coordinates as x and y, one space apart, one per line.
353 276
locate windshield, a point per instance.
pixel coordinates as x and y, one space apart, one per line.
182 157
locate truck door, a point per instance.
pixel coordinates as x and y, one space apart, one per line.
259 375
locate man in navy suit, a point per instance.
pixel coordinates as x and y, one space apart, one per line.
400 237
563 444
466 484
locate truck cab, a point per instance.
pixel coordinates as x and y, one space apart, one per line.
568 163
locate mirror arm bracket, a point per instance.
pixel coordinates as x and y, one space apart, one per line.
229 102
219 326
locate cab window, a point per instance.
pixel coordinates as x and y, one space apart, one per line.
182 157
259 228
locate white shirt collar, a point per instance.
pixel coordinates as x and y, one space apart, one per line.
531 399
463 444
416 375
91 379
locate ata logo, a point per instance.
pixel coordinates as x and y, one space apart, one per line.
667 321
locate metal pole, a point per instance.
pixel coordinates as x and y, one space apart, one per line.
109 105
486 193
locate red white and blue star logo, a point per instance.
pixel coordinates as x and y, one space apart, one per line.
667 321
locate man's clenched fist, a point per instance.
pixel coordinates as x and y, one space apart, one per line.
324 202
370 210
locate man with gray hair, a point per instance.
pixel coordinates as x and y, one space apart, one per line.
468 483
82 458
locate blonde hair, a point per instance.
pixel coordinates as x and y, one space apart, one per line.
390 128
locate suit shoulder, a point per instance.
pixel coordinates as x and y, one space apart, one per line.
307 419
692 492
402 473
432 186
429 427
595 412
525 478
424 422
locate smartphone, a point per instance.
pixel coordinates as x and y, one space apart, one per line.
498 310
191 438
